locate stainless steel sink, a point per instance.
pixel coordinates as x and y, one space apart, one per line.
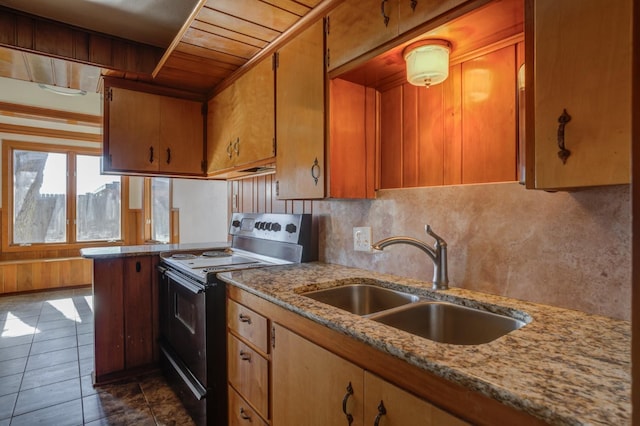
448 323
362 299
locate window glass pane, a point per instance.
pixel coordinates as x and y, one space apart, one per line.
98 212
39 197
160 209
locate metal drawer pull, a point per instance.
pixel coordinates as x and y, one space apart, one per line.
381 412
245 318
564 153
168 155
244 415
229 148
414 3
151 154
344 403
245 356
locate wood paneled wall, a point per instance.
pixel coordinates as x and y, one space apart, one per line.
258 194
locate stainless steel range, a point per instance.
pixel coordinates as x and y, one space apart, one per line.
192 304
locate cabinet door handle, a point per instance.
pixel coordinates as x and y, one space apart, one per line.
244 415
344 403
168 155
245 318
414 3
564 153
236 146
315 171
229 147
151 154
245 356
385 17
138 266
381 412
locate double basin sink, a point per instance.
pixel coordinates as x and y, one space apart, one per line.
439 321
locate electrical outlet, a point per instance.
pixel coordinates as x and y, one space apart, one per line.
362 238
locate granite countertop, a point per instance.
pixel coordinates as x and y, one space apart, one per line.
125 251
564 366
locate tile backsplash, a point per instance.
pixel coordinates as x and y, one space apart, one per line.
571 250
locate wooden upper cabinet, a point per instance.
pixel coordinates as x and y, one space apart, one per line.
241 122
358 26
300 117
415 12
579 60
150 133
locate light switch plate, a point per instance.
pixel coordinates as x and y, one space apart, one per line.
362 238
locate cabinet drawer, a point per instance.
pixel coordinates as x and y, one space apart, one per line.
248 324
241 413
249 374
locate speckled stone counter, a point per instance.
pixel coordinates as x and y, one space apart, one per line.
125 251
564 366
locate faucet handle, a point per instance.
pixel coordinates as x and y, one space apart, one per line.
439 240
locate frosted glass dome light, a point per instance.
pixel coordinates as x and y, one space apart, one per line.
427 62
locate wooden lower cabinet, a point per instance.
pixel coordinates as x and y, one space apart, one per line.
125 316
391 406
247 365
317 376
312 386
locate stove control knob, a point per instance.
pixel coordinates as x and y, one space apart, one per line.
267 226
257 225
291 228
275 227
235 223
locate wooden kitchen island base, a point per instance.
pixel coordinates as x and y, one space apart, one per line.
125 299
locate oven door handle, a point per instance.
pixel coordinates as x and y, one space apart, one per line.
185 282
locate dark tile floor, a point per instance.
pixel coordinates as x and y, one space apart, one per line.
46 359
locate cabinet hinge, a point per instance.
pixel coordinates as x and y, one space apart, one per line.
326 25
109 94
203 166
204 109
277 188
328 58
273 337
275 60
273 146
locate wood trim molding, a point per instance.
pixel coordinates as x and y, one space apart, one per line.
50 133
48 114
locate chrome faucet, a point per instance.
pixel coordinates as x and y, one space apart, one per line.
438 255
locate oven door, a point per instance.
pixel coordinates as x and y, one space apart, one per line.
185 323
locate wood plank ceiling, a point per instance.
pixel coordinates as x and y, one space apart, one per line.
219 37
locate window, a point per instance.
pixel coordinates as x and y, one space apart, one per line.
157 210
58 196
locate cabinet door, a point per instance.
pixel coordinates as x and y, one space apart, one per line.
221 122
309 384
108 317
392 406
415 12
256 132
131 141
181 136
300 166
138 311
581 58
358 26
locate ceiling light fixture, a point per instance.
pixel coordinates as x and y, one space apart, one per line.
427 62
65 91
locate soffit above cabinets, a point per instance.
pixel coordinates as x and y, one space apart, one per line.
204 41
